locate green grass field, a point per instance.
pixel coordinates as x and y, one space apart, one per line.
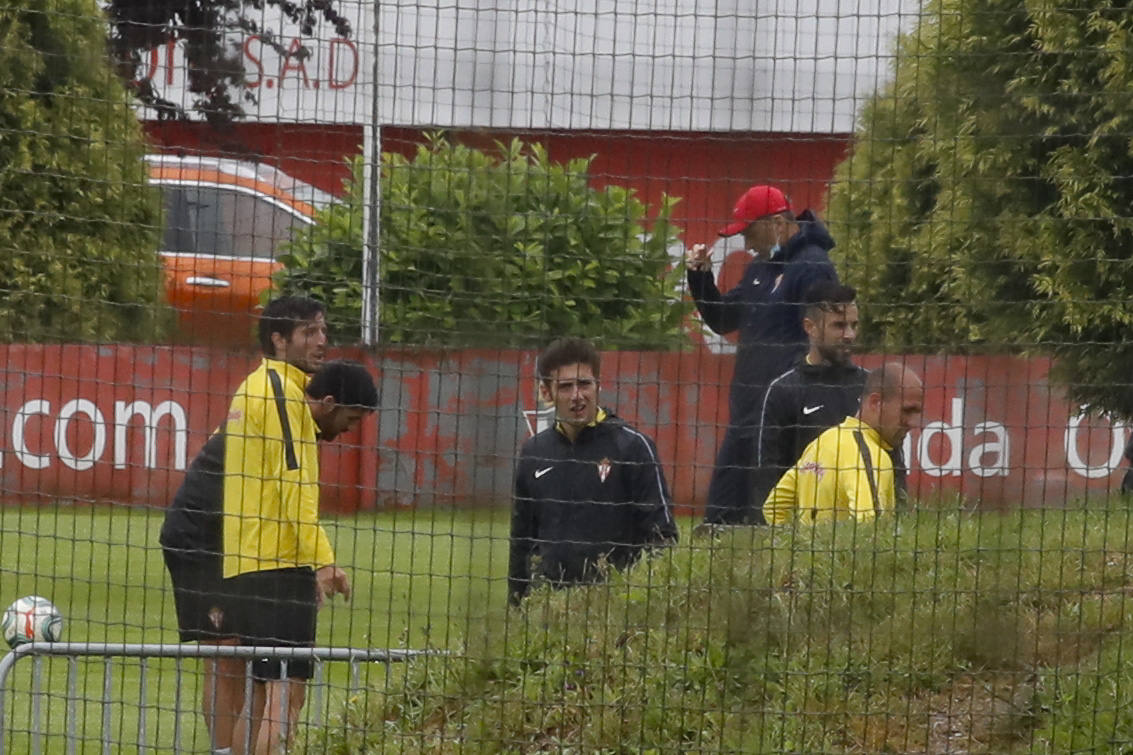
933 631
418 577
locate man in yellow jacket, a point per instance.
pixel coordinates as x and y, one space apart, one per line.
847 471
278 560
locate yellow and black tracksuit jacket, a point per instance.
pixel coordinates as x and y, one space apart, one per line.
271 476
845 473
602 498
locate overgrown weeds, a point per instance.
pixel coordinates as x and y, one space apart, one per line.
927 632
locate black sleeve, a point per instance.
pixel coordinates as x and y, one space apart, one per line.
524 531
720 313
773 443
193 519
651 494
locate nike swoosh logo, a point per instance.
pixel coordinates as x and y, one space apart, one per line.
540 472
812 409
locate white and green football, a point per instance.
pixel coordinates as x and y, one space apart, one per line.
32 619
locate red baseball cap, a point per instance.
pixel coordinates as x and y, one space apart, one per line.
757 202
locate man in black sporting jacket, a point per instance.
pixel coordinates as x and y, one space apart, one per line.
820 391
588 491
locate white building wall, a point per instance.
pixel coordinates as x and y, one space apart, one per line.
703 65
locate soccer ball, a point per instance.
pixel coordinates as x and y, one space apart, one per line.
32 619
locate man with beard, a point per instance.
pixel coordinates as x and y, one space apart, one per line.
820 391
589 492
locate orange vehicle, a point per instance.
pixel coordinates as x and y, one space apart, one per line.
225 223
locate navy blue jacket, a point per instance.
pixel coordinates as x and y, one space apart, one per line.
766 307
600 499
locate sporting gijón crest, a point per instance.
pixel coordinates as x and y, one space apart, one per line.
604 468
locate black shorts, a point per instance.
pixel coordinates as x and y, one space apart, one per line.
276 608
200 595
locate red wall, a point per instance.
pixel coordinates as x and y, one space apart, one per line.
708 171
995 430
313 152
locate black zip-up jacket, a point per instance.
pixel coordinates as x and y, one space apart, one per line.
600 499
797 407
766 307
1127 480
192 524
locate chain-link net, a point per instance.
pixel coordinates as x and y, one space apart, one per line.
673 375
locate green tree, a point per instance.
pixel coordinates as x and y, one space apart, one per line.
985 205
496 250
78 224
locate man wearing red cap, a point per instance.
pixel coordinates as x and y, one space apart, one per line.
790 255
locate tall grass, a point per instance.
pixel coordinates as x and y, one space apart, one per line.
926 632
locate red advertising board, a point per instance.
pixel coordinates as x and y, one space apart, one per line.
121 423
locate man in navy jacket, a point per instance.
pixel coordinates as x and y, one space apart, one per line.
790 255
589 492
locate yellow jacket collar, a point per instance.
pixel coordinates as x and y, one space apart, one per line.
868 431
288 370
599 417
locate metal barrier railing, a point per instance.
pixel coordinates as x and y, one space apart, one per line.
108 650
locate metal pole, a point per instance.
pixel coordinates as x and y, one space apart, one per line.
71 711
142 691
177 709
175 650
107 688
248 705
372 201
6 664
36 703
